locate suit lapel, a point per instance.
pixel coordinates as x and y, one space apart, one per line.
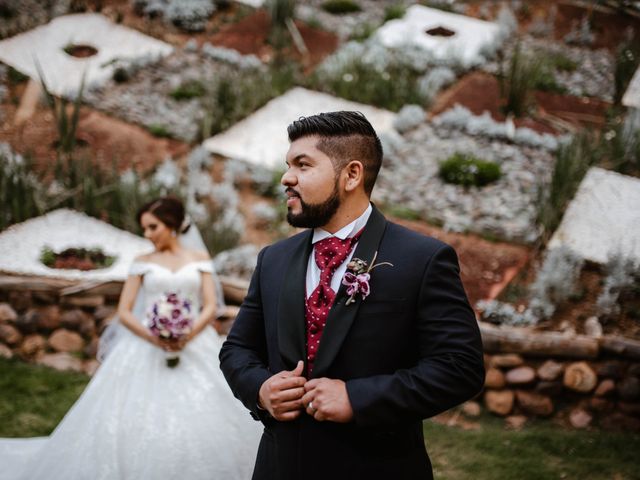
291 314
342 316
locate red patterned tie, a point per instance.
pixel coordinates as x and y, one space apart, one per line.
330 253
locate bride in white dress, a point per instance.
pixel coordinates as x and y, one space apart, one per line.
138 418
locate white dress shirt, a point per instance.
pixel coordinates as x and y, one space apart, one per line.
313 272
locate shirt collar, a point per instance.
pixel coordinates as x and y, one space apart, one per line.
345 232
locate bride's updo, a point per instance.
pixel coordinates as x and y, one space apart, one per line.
169 210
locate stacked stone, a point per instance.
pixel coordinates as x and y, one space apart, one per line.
604 391
60 332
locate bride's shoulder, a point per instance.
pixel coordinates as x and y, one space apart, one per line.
146 257
141 264
199 255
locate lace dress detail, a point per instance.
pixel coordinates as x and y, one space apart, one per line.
138 419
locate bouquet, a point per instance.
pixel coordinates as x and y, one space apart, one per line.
170 318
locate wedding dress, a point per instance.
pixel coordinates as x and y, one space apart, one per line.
139 419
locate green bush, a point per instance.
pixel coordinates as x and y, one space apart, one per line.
159 131
362 82
339 7
188 90
560 61
391 12
467 170
546 81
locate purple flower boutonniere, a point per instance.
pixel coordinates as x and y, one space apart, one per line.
357 277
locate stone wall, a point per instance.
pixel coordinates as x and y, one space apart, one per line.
603 392
579 380
57 323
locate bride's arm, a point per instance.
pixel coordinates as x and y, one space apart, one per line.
125 307
208 311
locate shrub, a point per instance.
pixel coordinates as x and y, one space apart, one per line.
188 90
190 15
160 131
234 95
622 275
339 7
516 84
581 33
369 74
409 117
546 81
572 162
21 194
391 12
555 282
467 170
66 123
362 32
621 143
561 62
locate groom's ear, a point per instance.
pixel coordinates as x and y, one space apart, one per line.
354 175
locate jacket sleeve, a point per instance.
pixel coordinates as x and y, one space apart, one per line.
450 367
243 356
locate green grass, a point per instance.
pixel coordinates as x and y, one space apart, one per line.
541 450
34 399
188 90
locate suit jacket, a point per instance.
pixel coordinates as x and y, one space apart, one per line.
409 351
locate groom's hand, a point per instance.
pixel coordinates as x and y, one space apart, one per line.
281 395
327 399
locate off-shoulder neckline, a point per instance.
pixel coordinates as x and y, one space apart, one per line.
140 262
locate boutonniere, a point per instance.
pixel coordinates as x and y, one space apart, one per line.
357 277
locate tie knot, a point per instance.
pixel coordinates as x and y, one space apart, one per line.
332 251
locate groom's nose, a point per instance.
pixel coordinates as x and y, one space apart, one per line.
288 179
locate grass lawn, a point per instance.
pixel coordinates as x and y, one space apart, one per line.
540 451
34 399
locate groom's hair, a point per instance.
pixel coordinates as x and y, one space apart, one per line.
344 136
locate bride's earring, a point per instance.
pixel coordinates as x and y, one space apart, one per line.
173 233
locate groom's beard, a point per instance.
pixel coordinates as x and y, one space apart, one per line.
314 215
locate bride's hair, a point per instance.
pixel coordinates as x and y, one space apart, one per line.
169 210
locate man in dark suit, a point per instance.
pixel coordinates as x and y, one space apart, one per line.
353 331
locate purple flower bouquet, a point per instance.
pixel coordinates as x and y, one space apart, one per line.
171 318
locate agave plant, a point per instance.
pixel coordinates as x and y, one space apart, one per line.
66 123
